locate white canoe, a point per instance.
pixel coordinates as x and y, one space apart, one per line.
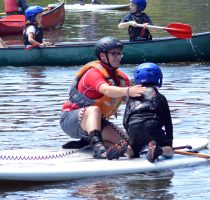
60 165
95 7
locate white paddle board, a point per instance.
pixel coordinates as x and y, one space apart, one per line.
60 165
95 7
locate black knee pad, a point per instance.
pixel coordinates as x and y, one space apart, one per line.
95 137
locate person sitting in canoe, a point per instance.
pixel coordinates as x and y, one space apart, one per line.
95 95
135 20
13 7
145 116
33 31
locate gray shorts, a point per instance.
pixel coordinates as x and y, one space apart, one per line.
70 124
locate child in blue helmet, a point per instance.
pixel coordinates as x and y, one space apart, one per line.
147 115
33 31
135 17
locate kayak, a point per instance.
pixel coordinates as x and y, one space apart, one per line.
158 50
51 18
61 165
95 7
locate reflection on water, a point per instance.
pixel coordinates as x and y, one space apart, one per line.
31 99
30 104
88 26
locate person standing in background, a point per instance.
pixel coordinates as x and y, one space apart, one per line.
13 7
82 2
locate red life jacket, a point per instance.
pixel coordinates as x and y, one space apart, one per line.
10 6
107 105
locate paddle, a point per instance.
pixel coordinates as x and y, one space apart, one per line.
179 30
192 154
174 148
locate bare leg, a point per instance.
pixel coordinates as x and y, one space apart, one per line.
90 118
112 134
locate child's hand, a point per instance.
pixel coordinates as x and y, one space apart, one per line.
145 25
132 23
47 44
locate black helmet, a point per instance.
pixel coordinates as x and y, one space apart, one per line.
107 43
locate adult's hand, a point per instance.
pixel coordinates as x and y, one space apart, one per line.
135 91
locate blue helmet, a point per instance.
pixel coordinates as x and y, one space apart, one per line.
141 4
31 12
148 73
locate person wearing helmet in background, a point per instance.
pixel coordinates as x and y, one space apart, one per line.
135 17
145 116
13 7
95 95
33 31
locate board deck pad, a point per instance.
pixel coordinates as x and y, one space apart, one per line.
60 164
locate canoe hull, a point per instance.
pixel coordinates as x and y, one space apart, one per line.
163 50
50 19
10 28
54 18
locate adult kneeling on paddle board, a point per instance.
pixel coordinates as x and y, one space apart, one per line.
95 96
145 116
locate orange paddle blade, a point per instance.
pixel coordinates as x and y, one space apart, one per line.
183 31
192 154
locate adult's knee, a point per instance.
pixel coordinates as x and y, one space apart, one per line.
94 110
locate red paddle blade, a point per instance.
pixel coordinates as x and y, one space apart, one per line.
183 31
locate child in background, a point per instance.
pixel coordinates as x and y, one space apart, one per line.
33 31
145 116
135 17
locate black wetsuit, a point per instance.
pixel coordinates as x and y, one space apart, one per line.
138 33
144 119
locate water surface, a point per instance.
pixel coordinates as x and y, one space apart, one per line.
31 100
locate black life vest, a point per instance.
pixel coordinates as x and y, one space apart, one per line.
38 34
146 107
139 33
